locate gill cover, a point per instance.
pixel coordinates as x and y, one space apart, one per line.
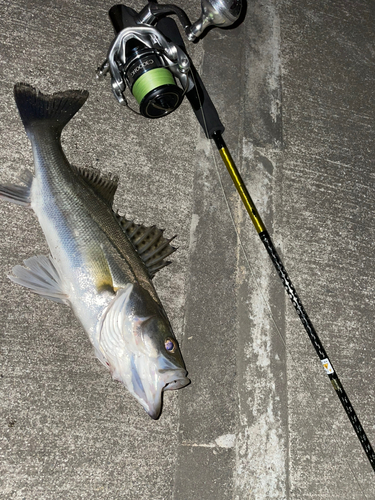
133 335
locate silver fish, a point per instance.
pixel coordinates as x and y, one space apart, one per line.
100 264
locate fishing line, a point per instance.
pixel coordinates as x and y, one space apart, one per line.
323 425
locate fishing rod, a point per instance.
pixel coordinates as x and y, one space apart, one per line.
148 55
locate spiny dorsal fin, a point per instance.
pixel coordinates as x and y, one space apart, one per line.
149 243
104 185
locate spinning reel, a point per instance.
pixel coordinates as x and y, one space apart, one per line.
149 57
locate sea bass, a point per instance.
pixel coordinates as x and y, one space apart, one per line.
100 264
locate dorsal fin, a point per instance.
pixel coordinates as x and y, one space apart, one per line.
104 185
149 243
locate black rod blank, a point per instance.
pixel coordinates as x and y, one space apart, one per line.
292 294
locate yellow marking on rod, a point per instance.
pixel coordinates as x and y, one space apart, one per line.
241 188
335 386
327 366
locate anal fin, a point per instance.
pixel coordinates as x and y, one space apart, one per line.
40 276
18 194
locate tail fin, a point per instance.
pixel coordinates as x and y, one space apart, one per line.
53 111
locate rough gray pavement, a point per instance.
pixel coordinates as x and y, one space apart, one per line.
294 85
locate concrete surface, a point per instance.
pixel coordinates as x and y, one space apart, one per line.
294 85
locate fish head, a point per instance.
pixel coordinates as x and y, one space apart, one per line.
140 349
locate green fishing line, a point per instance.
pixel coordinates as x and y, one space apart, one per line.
151 80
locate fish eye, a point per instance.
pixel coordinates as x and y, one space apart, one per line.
170 345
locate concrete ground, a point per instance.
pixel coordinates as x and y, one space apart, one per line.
294 86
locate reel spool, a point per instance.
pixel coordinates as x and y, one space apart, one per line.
151 83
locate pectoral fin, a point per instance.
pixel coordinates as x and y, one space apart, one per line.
109 269
41 276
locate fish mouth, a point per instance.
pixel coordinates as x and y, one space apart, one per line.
170 380
179 381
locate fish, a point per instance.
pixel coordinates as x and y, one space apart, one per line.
99 263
